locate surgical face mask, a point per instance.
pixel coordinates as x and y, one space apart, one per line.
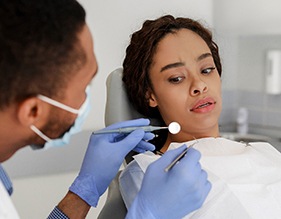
75 128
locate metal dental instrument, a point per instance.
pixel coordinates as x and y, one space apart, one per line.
174 128
130 129
179 157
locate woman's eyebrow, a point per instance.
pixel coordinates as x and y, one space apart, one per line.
180 64
172 65
203 56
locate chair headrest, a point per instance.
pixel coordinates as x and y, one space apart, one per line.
118 107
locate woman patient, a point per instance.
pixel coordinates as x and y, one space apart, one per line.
172 73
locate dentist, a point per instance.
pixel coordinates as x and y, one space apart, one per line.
46 66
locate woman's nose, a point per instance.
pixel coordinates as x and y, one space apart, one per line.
198 86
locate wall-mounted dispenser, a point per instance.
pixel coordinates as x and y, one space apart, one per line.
242 120
273 74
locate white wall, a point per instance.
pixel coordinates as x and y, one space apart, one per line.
234 22
247 17
112 22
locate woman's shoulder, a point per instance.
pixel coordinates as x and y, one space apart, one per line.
133 166
266 148
136 168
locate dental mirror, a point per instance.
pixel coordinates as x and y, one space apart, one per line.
174 128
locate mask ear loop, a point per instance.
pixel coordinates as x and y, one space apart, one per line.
61 106
58 104
41 134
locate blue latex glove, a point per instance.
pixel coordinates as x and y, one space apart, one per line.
172 194
104 156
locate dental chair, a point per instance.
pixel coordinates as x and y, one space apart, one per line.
117 109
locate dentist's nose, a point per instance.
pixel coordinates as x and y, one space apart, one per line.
198 86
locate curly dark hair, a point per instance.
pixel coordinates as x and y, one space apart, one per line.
140 52
39 47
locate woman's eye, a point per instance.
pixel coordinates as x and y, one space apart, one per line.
208 70
176 80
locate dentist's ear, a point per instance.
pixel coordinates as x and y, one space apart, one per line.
151 99
29 111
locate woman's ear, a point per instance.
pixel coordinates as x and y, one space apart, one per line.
151 99
29 111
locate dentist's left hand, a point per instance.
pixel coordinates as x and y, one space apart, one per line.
104 156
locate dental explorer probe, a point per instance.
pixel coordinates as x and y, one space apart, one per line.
174 128
128 130
178 157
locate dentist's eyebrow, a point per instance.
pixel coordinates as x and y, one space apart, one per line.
172 65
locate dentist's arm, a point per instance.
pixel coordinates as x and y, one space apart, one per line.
171 194
103 158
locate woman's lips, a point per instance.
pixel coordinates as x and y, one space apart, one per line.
204 105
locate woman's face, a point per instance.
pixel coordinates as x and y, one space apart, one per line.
186 85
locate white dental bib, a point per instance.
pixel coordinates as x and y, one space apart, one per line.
246 180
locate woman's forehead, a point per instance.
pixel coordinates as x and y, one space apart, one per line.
176 46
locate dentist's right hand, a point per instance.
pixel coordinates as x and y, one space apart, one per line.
172 194
104 156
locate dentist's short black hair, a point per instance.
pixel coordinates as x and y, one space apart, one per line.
39 47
